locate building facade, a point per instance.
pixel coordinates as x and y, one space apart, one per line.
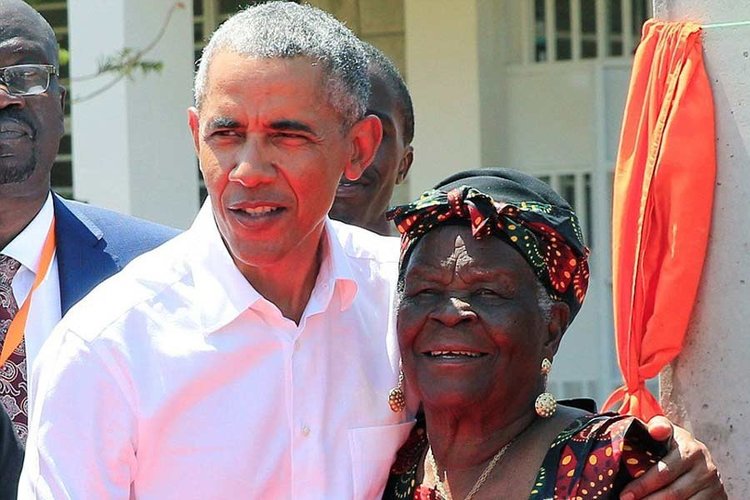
537 85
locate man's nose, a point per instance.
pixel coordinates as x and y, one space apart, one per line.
253 165
7 99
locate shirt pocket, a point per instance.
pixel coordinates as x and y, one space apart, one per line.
373 450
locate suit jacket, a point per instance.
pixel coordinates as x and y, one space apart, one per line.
92 244
11 459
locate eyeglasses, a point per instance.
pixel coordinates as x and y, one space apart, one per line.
27 79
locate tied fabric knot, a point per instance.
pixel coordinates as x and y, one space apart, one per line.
13 388
548 237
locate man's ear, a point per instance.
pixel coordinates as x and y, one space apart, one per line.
365 137
63 93
194 124
556 326
405 164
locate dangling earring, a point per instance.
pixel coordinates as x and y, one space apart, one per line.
397 397
545 404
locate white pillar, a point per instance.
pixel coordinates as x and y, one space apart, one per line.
442 67
131 147
705 389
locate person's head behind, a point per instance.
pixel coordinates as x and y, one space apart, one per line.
363 202
31 118
493 270
280 95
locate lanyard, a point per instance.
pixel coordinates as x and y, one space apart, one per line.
18 325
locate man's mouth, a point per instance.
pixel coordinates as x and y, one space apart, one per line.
260 211
14 129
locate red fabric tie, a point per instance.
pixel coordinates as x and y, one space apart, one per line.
13 388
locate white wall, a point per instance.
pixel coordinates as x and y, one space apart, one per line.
131 147
706 388
442 65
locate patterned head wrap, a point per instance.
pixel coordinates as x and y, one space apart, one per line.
522 210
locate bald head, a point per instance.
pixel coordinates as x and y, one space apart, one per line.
19 21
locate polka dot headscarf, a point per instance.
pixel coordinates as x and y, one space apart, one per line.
522 210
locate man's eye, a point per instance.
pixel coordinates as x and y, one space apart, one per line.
290 138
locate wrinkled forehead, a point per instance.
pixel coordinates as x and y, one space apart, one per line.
453 247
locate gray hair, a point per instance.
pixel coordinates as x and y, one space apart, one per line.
544 300
287 30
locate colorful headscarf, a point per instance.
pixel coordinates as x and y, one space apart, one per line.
522 210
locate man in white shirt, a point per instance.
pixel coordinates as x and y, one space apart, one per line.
252 356
51 250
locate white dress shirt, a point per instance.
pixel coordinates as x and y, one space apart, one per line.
45 310
176 379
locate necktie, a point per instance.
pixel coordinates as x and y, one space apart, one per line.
13 393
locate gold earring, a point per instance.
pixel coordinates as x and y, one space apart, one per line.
397 397
545 404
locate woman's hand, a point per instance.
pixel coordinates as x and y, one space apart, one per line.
686 472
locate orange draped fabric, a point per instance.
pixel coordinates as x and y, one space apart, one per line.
663 195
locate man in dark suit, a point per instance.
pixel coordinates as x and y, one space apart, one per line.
51 249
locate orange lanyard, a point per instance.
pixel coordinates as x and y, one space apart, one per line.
18 325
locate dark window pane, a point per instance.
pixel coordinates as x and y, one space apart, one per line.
588 29
588 16
614 25
588 49
562 26
640 14
568 189
65 145
197 7
62 175
540 36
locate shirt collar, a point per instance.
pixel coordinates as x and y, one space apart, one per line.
26 247
337 265
224 292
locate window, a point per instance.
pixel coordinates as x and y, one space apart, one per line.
576 189
56 13
565 30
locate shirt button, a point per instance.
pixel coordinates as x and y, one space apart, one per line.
305 430
297 345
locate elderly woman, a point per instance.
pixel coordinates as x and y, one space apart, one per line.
493 270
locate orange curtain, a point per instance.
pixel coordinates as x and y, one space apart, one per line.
663 194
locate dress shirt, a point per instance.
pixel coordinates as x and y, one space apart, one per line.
45 310
177 379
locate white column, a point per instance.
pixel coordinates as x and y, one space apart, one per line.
706 388
131 146
442 67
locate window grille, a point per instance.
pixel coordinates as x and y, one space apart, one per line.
576 189
572 30
56 13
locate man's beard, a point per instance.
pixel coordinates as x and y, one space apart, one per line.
17 173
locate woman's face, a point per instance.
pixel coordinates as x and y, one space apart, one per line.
470 327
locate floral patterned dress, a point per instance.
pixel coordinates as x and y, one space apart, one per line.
593 458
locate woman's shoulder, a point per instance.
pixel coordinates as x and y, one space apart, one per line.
597 454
